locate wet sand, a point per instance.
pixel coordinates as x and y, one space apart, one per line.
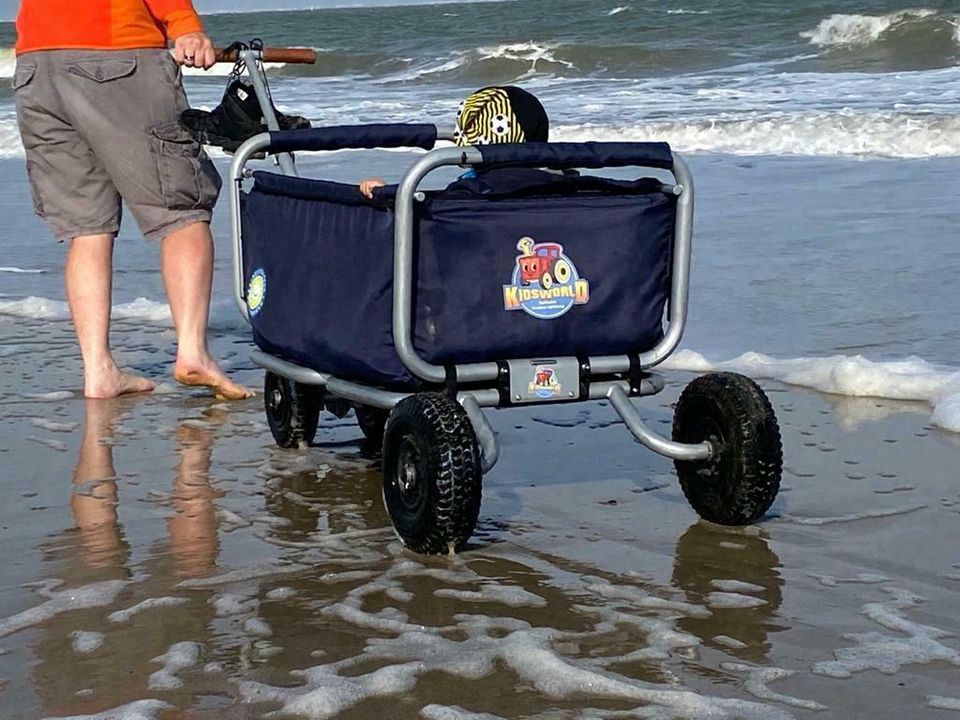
163 559
161 551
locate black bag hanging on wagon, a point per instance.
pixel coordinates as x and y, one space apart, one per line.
239 116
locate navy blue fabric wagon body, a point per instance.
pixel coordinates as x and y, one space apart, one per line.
513 263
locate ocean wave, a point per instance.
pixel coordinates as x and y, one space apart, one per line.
41 308
525 60
841 30
853 376
815 134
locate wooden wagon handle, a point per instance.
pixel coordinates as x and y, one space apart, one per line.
300 56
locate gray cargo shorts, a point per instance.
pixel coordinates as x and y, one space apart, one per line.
101 126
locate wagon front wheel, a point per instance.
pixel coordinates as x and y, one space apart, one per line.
293 410
432 478
740 482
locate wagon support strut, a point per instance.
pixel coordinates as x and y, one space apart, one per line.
674 450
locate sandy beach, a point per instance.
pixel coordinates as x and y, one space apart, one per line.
163 559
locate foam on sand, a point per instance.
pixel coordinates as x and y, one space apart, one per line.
454 712
180 656
139 710
88 596
86 642
855 376
914 643
756 684
121 616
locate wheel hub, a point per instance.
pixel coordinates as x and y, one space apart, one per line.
408 475
276 398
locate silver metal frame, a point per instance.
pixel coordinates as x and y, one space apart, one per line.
618 392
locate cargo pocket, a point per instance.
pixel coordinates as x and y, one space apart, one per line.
188 178
103 70
34 189
23 75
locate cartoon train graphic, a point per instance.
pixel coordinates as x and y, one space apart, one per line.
543 263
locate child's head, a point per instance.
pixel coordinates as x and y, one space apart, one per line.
503 114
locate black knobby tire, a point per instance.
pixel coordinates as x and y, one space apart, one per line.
293 410
372 422
739 484
432 479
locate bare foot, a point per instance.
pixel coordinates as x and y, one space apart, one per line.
211 376
114 383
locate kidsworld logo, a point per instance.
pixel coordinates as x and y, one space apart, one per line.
545 282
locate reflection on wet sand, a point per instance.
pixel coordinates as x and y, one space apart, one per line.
735 573
89 660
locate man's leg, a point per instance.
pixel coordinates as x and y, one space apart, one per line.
88 278
187 258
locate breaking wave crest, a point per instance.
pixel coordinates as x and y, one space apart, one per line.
815 134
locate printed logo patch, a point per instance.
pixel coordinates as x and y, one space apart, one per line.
545 282
256 291
545 384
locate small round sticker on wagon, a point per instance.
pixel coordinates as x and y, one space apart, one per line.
256 291
545 282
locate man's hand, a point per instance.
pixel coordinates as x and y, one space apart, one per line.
194 50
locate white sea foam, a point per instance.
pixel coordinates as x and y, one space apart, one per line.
41 308
258 627
682 11
943 703
54 396
121 616
736 586
618 10
853 517
52 426
491 592
856 376
86 642
453 712
138 710
913 644
757 684
850 30
827 134
243 574
730 600
88 596
227 604
179 656
21 271
281 593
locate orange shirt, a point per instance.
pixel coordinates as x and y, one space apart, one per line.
103 24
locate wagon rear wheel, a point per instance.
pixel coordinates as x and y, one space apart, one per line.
740 482
293 410
432 480
372 422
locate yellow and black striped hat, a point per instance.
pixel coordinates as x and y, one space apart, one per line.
501 114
